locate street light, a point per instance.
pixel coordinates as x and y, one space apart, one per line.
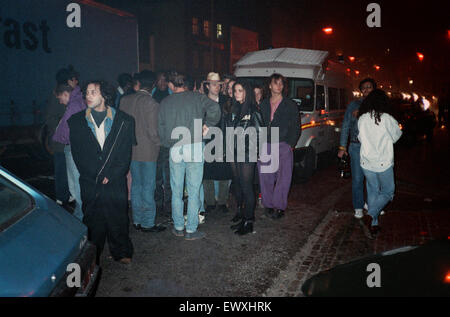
420 56
328 30
351 58
377 67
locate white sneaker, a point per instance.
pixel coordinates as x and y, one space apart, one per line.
71 199
201 218
59 202
359 213
366 207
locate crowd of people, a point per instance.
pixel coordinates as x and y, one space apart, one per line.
113 146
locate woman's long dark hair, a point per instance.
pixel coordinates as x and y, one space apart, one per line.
376 103
249 101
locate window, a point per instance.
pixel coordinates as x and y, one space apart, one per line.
206 28
13 203
219 33
195 26
343 98
302 92
320 97
333 99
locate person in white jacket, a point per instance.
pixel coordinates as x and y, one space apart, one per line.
378 131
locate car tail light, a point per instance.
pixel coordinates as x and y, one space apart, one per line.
88 275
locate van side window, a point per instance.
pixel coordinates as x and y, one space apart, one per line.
320 97
333 98
302 92
343 98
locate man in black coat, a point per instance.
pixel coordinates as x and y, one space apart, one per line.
101 139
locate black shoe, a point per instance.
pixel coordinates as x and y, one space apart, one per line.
277 214
237 225
269 212
137 227
155 228
222 208
374 230
246 228
237 217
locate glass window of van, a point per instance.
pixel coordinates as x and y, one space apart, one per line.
333 98
343 98
302 92
320 97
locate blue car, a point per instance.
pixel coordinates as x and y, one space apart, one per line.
44 250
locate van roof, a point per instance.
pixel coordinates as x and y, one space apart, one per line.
286 55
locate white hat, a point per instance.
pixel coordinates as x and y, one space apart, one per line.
213 77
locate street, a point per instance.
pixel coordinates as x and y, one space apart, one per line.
317 232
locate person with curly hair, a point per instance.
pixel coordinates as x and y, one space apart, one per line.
378 131
101 138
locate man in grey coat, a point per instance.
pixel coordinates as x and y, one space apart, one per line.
144 109
183 118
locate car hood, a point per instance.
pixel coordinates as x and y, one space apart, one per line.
37 247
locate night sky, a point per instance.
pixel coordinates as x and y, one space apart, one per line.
407 27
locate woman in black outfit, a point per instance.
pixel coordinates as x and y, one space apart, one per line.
244 114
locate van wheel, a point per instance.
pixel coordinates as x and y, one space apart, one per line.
304 168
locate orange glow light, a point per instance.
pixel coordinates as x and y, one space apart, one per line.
447 278
328 30
351 58
377 67
420 56
357 72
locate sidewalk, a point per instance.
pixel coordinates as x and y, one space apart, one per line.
340 238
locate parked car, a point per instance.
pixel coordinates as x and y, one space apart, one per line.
42 246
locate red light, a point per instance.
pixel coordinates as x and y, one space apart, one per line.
377 67
348 70
327 31
351 58
420 56
447 278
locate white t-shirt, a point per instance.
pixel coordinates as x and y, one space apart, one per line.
377 141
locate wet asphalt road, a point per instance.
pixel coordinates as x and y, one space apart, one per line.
224 264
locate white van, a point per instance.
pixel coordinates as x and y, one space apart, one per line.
322 90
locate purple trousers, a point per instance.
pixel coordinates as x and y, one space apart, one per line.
275 185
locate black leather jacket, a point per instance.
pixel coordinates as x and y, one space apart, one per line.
252 118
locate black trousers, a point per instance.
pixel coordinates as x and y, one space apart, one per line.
163 192
106 216
243 175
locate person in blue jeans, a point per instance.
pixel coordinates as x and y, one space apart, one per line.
349 131
144 109
378 131
184 118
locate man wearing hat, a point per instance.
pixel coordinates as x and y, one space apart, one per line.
217 172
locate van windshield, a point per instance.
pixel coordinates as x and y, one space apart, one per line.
300 90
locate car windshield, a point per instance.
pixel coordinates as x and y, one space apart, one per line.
301 90
14 202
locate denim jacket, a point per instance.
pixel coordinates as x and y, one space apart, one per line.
350 124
